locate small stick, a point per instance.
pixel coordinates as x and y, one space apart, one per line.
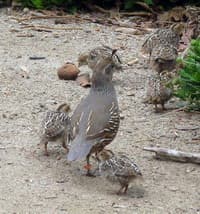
42 17
42 27
174 155
36 57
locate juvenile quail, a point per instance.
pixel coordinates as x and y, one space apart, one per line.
91 59
56 126
118 169
95 121
163 58
157 92
162 37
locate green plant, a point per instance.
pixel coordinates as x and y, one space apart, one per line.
69 5
188 82
74 5
130 4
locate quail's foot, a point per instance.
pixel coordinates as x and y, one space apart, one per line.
88 168
122 190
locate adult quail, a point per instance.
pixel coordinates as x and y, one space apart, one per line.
95 121
163 37
56 126
156 90
163 58
91 59
118 169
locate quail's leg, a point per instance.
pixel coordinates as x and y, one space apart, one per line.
44 141
125 188
156 107
97 170
119 192
163 106
64 145
45 148
65 139
88 167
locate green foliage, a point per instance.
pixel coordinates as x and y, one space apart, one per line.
188 82
74 5
69 5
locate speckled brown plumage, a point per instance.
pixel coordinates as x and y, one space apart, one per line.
118 169
56 126
156 91
163 37
163 58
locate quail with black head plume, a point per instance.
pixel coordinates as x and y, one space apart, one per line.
95 121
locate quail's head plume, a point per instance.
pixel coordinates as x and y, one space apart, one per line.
95 121
92 58
157 92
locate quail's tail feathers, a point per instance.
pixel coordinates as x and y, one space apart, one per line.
78 150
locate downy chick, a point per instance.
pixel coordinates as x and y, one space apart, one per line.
56 126
118 169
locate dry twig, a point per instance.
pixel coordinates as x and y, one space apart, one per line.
174 155
49 28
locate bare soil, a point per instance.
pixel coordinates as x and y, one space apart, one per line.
33 183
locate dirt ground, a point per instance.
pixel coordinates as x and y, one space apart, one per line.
33 183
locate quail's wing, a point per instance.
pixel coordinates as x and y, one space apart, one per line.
54 123
96 119
126 167
103 120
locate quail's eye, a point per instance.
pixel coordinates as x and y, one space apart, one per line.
92 56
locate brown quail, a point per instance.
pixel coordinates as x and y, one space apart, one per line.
157 92
163 58
95 121
56 125
118 169
96 54
163 37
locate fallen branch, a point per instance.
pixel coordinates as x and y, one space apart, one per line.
49 29
41 17
174 155
187 128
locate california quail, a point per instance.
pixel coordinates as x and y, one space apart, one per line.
95 121
163 57
96 54
118 169
156 90
162 37
56 125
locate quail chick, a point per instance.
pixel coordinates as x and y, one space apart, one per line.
163 58
95 121
91 59
157 92
56 125
163 37
118 169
